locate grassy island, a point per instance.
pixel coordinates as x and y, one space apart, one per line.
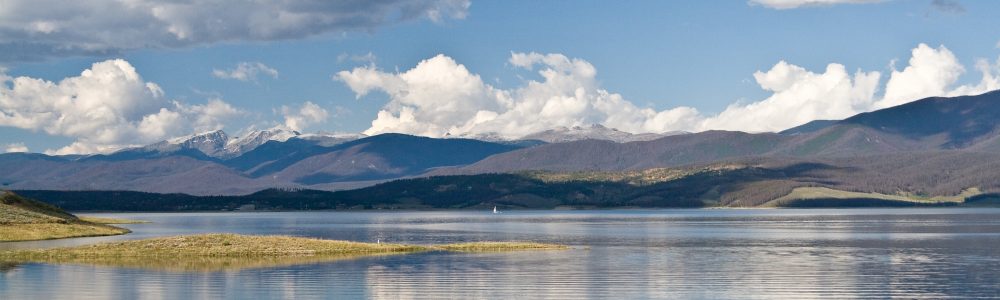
216 245
223 251
23 219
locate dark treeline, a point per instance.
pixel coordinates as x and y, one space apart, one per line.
457 192
445 192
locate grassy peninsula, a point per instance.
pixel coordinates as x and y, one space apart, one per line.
23 219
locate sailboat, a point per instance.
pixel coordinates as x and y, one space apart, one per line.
495 210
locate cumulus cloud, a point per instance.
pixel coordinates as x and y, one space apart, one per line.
799 96
35 29
14 147
990 80
306 115
930 73
440 97
106 107
789 4
246 71
210 116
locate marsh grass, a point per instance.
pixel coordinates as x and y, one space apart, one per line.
48 231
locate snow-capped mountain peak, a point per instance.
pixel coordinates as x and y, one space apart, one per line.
218 144
592 132
487 137
239 145
331 139
210 137
212 143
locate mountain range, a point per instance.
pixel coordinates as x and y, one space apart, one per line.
934 146
297 162
968 124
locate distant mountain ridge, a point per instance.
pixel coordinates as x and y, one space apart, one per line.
378 157
215 163
962 120
180 166
217 145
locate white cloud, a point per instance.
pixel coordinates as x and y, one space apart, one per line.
106 107
989 82
209 116
930 73
439 96
246 71
34 29
84 148
799 96
14 147
306 115
789 4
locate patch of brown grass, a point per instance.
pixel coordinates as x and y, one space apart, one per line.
48 231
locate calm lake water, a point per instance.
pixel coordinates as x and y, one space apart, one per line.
708 254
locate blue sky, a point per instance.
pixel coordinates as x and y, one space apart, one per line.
654 55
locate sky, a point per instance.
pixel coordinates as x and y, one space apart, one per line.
96 76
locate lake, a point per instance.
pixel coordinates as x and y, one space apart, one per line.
926 253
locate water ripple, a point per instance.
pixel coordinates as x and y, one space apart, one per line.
701 254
